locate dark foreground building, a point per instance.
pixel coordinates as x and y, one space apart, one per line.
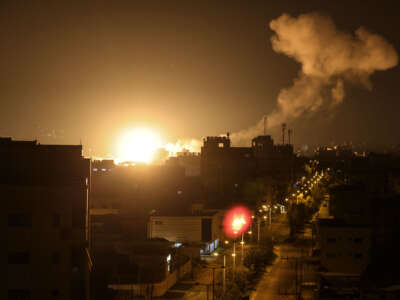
45 190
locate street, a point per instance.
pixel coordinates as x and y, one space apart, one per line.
288 272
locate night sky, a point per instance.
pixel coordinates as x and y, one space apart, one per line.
84 71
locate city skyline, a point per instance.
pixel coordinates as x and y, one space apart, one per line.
81 73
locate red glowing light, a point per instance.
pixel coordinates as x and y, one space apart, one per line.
237 220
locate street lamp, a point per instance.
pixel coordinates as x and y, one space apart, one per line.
242 243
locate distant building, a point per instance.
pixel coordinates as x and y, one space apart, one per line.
225 168
189 161
104 165
45 190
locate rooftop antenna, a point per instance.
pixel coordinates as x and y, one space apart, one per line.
283 132
265 125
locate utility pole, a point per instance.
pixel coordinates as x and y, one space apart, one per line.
296 280
213 284
270 215
242 243
234 257
265 125
224 275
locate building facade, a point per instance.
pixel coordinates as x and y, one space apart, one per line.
45 189
203 228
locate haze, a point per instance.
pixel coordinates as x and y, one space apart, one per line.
83 73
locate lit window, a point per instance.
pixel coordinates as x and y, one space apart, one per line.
104 170
95 169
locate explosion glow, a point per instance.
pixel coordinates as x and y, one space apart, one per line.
237 220
138 145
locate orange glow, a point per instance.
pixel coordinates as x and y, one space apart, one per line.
138 145
179 146
236 221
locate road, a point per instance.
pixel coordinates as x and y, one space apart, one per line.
279 282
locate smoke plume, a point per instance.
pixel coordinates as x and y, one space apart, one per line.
329 58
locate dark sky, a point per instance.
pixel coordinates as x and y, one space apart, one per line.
85 70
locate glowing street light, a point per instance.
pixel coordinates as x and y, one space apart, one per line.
238 223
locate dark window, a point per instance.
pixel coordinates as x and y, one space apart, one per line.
330 255
76 257
358 240
23 220
55 258
55 293
19 258
19 294
206 230
358 255
78 218
158 222
56 220
331 240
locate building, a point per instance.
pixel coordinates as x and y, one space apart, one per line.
225 169
189 161
345 248
202 227
344 230
45 189
144 268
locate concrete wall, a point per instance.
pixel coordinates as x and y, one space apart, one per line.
154 289
184 228
176 229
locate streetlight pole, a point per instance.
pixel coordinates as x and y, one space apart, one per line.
234 257
270 221
213 284
242 243
224 274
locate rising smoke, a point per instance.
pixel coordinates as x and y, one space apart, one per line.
328 58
